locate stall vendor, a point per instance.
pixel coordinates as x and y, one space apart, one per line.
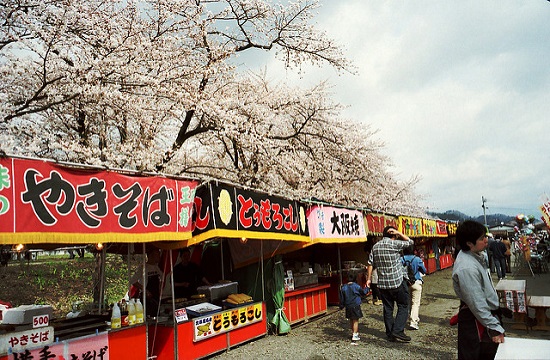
187 276
153 276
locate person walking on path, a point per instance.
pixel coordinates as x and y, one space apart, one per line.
376 300
386 258
498 249
479 330
350 298
415 289
508 253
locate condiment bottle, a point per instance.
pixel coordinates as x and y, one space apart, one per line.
131 313
123 313
139 311
116 317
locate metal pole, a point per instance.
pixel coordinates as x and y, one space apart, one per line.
340 265
102 281
483 200
176 356
221 254
262 266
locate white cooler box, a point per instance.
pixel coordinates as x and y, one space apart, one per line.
219 291
24 314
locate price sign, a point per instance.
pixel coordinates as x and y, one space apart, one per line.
40 321
180 315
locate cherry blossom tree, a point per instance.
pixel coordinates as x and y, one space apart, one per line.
153 85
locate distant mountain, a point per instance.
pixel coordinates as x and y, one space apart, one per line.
450 215
492 220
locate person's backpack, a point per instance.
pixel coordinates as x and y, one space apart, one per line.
410 272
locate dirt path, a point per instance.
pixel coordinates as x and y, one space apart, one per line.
328 337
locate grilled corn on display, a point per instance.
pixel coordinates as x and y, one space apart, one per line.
238 299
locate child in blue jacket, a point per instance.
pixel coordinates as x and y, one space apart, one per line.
350 298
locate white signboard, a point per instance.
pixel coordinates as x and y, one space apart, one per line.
21 340
180 315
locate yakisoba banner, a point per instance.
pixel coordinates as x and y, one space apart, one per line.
43 202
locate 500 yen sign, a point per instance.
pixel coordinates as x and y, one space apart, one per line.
40 321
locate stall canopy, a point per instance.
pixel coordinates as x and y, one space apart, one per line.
46 202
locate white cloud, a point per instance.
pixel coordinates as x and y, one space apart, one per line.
459 90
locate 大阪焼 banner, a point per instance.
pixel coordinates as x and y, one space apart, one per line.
44 202
224 210
329 224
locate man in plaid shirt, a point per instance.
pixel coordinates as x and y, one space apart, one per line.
386 258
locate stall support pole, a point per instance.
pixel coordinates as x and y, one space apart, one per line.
143 294
102 281
221 252
176 356
340 265
262 267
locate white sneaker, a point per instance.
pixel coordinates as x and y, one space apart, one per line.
413 326
355 337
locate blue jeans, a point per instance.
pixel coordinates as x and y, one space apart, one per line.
389 297
500 265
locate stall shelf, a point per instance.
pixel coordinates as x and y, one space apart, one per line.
193 345
305 303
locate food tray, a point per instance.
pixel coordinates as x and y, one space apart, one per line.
202 309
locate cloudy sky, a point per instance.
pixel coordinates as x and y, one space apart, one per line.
460 93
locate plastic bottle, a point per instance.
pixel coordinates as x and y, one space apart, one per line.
139 311
124 313
115 317
131 312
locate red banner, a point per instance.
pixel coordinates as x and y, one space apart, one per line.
43 202
375 223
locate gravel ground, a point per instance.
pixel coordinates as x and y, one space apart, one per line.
328 337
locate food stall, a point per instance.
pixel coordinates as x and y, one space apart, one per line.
49 204
253 226
426 233
331 228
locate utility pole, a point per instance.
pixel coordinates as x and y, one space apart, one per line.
483 200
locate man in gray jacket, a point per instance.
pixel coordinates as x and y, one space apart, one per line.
479 329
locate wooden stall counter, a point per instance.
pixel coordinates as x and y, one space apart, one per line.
430 265
305 303
445 261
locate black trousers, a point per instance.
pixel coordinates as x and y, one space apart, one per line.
470 345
